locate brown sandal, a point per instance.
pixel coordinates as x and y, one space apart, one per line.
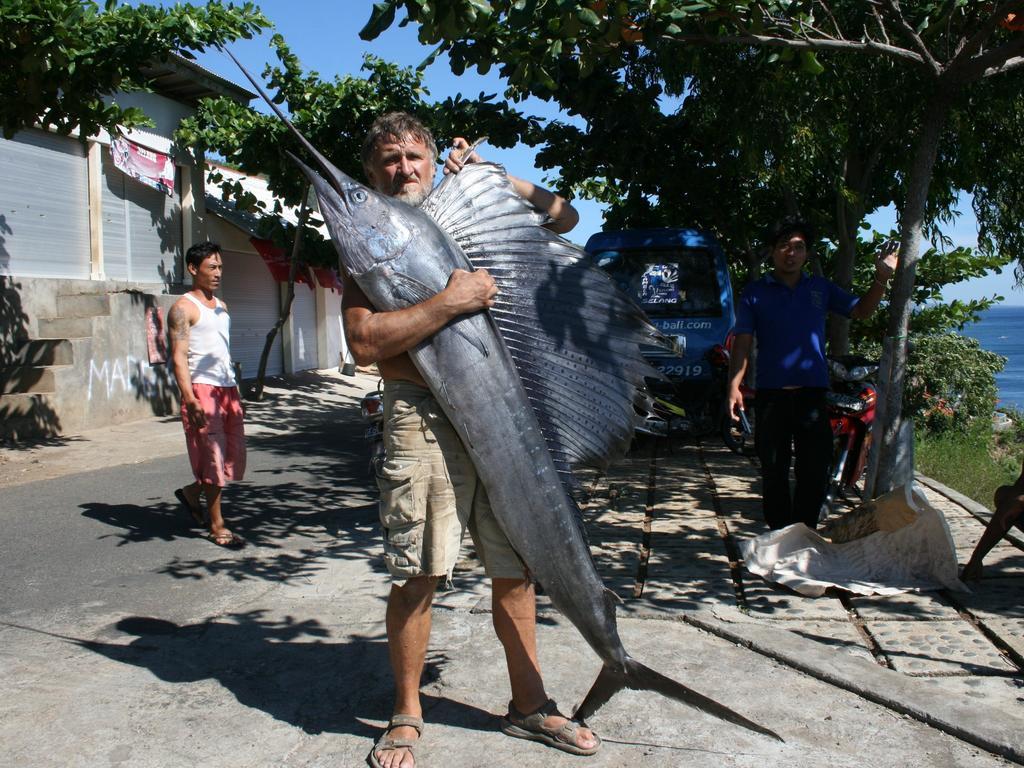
384 742
532 727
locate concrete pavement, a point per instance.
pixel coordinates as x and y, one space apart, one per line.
127 640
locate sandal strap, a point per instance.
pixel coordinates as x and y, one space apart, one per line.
409 721
534 721
387 743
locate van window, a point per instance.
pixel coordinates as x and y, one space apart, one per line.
667 281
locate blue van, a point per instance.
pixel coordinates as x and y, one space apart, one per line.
681 280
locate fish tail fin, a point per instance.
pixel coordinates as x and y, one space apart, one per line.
640 678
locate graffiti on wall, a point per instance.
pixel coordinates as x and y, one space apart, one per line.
123 375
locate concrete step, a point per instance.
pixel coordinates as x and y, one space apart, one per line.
26 416
25 379
65 327
36 352
83 305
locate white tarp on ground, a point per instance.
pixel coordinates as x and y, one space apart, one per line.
897 543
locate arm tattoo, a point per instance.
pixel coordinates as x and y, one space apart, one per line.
178 324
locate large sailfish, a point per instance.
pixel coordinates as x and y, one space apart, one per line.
544 381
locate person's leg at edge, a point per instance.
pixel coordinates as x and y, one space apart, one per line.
772 441
812 441
214 517
514 613
193 492
408 629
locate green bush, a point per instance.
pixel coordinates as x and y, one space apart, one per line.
951 381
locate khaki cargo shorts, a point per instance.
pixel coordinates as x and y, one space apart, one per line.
429 493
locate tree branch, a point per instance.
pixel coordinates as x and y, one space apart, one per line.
869 46
915 39
1007 66
831 16
973 44
992 62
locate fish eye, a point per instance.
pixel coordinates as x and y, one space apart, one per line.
359 196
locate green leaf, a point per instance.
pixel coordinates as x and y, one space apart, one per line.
383 16
809 63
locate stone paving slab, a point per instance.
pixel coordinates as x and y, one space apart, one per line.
840 634
686 594
1009 631
994 599
949 509
926 648
1004 560
965 530
910 606
770 601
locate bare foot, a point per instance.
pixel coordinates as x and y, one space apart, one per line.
971 572
585 738
398 757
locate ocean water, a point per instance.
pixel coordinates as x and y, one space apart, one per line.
1001 330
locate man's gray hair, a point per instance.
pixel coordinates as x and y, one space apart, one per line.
396 126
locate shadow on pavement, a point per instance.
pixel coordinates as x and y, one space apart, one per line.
285 668
316 503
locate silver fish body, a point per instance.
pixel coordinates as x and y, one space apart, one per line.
473 376
400 256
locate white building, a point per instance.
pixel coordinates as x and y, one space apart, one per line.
89 257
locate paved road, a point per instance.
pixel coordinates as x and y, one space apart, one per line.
127 640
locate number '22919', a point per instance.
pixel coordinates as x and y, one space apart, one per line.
681 370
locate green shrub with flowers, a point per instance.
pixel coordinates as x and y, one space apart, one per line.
950 382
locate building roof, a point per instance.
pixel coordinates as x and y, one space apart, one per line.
188 82
257 186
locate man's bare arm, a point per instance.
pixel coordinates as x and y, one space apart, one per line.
179 322
884 268
738 362
563 216
373 336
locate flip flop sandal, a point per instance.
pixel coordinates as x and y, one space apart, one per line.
388 743
532 727
226 539
197 514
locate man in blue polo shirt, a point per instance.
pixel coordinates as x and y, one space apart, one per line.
785 311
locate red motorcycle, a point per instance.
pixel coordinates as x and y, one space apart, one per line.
851 401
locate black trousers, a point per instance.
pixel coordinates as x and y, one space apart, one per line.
793 423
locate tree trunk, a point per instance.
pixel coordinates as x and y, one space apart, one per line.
889 417
286 308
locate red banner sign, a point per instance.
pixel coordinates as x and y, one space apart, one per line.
154 169
278 264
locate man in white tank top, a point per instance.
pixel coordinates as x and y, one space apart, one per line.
211 410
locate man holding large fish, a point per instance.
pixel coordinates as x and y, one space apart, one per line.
536 374
429 488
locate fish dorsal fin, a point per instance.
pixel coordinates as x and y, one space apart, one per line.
573 335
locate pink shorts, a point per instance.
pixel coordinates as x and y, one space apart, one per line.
216 451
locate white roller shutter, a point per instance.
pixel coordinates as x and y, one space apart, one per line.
254 302
303 323
141 228
44 206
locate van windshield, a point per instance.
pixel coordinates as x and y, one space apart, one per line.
667 281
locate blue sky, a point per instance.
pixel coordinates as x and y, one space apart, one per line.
324 34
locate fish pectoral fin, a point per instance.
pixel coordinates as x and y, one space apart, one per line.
471 336
410 290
